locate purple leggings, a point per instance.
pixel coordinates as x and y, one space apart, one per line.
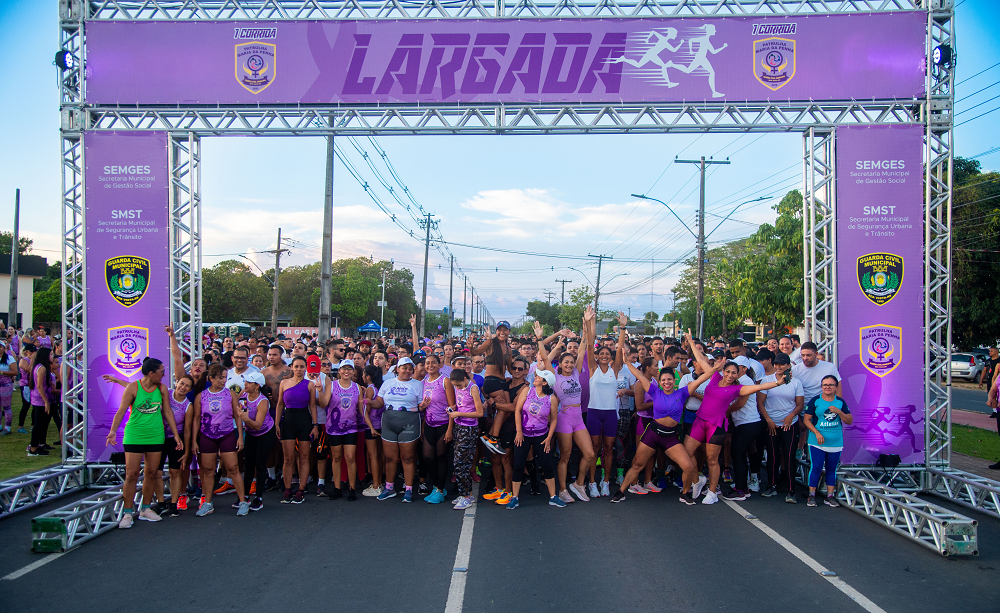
602 422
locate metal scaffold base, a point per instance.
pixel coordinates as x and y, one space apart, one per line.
74 524
966 489
27 491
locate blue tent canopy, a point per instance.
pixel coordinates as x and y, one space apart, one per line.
371 326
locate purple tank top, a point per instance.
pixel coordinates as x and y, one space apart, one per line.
217 413
648 397
253 411
36 394
437 412
43 342
535 413
568 390
465 403
24 374
342 415
374 414
717 400
297 396
180 409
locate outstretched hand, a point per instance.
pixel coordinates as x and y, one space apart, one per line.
720 364
413 320
538 330
622 319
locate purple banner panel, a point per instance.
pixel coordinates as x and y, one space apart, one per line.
830 57
880 290
128 264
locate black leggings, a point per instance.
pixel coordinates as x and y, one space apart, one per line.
743 437
40 423
435 454
781 455
25 410
256 449
542 458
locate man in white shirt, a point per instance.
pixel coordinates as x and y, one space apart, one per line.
810 373
737 349
241 367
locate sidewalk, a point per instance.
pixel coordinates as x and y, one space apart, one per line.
976 466
972 418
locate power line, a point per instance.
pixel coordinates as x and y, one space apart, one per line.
978 73
977 117
977 92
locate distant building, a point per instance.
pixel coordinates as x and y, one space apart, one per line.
29 268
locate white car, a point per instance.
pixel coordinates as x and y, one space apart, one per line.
966 366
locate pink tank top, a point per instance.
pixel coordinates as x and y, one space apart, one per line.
437 412
465 403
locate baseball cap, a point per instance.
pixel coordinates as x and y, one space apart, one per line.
313 365
344 364
503 323
742 361
404 362
254 377
718 353
782 358
419 353
548 375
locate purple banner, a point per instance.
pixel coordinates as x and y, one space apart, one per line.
880 290
826 57
128 262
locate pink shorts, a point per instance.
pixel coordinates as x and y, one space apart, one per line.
704 432
570 419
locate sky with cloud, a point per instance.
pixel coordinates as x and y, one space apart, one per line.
556 195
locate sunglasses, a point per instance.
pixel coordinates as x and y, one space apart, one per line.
519 368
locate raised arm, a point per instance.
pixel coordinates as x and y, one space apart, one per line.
746 390
543 355
706 375
175 353
639 378
413 331
586 350
698 355
620 353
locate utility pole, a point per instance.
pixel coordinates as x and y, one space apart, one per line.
701 237
381 317
597 288
549 295
277 271
465 301
14 248
564 282
451 310
326 268
426 224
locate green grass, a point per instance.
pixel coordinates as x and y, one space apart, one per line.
976 442
13 459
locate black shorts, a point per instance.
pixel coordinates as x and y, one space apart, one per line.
373 437
158 447
171 453
296 425
337 440
506 439
493 384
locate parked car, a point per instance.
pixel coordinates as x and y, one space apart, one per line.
966 365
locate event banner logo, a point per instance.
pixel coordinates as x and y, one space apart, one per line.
774 62
256 65
127 277
881 348
128 346
879 276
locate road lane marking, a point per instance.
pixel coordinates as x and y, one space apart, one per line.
460 569
806 559
34 565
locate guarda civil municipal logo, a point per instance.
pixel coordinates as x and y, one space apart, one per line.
879 276
127 277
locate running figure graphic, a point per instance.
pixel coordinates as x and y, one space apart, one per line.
700 58
652 55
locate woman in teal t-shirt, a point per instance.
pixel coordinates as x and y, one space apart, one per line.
825 417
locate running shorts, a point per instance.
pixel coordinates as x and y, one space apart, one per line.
336 440
172 454
400 426
704 432
656 436
602 423
296 425
570 419
145 448
225 444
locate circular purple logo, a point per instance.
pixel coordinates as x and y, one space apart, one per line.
255 63
774 59
128 347
881 346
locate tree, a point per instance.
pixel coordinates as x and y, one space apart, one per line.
571 314
53 274
544 313
232 292
24 244
47 305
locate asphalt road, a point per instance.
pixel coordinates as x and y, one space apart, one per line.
649 552
969 400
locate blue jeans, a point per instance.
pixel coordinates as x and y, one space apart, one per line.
819 458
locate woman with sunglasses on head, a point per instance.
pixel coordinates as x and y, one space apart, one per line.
373 432
825 417
220 436
296 426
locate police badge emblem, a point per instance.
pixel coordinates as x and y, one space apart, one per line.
881 348
127 278
256 65
879 276
774 61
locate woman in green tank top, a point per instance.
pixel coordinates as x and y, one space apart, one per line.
150 408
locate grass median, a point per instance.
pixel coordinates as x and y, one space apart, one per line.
976 442
14 460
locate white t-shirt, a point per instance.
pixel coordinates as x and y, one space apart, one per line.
781 400
693 404
812 378
320 386
758 369
626 404
399 395
748 414
234 381
796 356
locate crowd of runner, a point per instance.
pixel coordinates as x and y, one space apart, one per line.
588 416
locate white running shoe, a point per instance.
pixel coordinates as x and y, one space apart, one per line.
710 498
371 491
635 488
698 485
594 492
565 497
126 521
579 492
754 483
652 487
149 515
605 488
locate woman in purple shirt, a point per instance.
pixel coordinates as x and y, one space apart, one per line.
535 417
463 426
343 422
438 395
220 435
256 415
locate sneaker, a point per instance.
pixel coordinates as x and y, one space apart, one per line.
386 494
621 476
225 488
464 502
352 495
492 444
679 482
4 432
736 495
557 501
565 497
287 498
335 494
579 492
182 503
618 497
256 504
172 510
423 489
652 487
244 508
126 521
688 499
201 501
371 491
505 498
435 497
159 508
299 497
205 509
512 503
769 492
235 505
727 476
408 495
662 483
995 466
496 493
698 485
594 492
321 491
23 431
754 483
811 500
831 501
270 484
635 488
253 488
37 452
149 515
710 498
790 498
